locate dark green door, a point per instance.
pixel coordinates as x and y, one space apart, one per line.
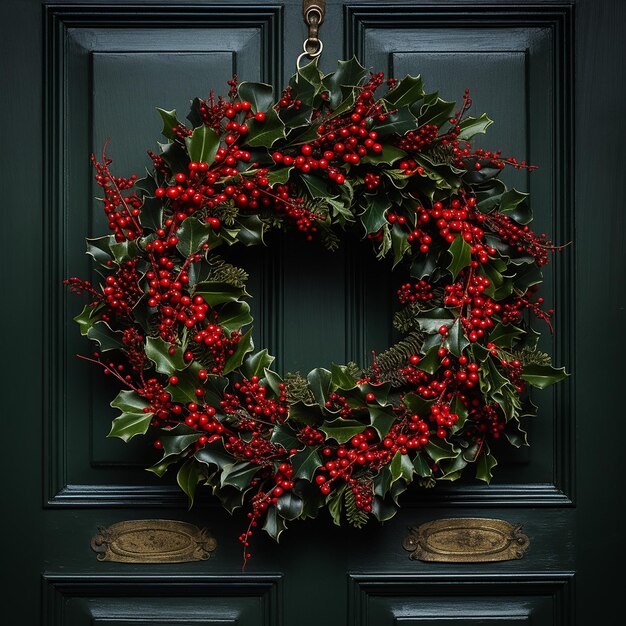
551 75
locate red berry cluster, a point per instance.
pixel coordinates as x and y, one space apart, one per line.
419 291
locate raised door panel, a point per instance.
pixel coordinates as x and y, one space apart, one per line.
107 68
516 63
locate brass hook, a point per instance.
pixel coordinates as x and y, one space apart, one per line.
313 11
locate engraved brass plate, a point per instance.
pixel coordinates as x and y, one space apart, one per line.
153 541
466 540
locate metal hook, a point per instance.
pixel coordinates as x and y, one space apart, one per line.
313 11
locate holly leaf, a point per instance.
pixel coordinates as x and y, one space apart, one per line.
430 362
542 376
160 468
341 82
133 420
274 524
250 230
472 126
381 420
306 462
432 320
452 469
202 145
383 510
124 251
417 405
244 346
334 502
316 187
341 378
373 217
285 436
88 317
399 243
399 122
192 235
461 253
255 364
503 335
485 463
158 351
319 381
290 505
459 409
106 337
342 430
188 477
215 292
273 380
278 176
441 450
239 475
388 156
264 134
234 315
421 467
214 454
406 91
456 340
170 121
177 439
151 213
100 249
259 95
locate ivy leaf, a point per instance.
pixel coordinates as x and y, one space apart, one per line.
542 376
188 477
244 346
170 121
259 95
215 292
255 364
214 454
406 91
456 340
285 436
274 524
471 126
306 462
319 381
485 463
342 430
192 235
461 253
373 216
290 505
398 123
133 421
341 378
106 337
158 351
381 420
202 145
239 475
503 335
234 315
264 134
441 450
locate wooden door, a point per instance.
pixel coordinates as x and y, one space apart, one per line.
550 74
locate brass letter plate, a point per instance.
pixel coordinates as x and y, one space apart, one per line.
466 540
153 541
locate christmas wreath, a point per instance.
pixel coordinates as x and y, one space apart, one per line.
170 317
